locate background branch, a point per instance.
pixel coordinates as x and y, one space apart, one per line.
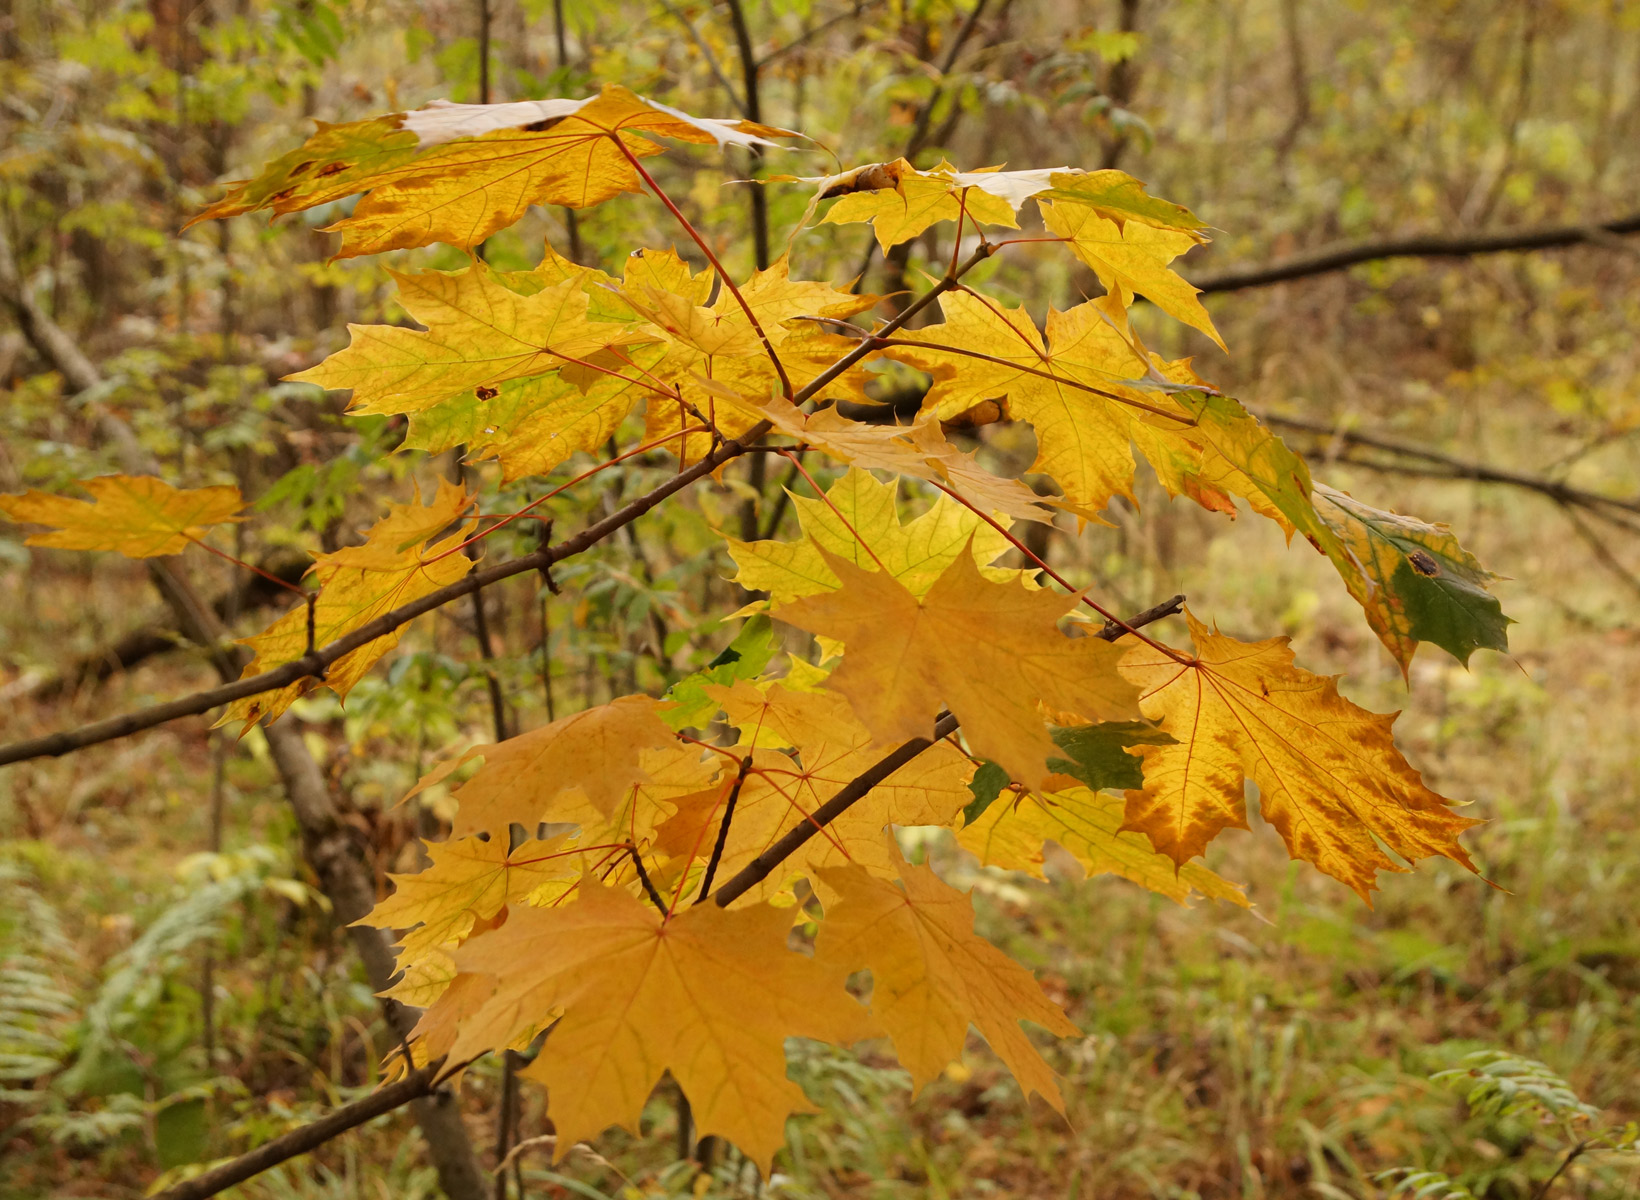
1337 258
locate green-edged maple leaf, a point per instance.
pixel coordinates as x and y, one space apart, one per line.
829 749
1076 389
1087 823
456 173
394 566
1330 779
709 995
858 518
480 333
1131 258
990 652
467 880
1413 579
138 516
932 975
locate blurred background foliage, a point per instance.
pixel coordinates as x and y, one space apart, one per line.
172 987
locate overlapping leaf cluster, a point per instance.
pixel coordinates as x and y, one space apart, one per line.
623 885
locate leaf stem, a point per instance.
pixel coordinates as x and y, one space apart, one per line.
1048 375
1110 617
694 234
251 567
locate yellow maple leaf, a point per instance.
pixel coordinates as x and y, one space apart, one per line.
858 518
919 450
466 880
990 652
1132 258
932 975
901 201
1011 832
831 748
641 996
1076 389
596 753
140 516
532 425
394 566
456 173
1330 779
480 333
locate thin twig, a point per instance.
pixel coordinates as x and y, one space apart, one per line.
711 59
1572 1156
1456 468
413 1086
723 830
753 108
808 35
648 885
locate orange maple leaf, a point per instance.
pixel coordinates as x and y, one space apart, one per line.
1330 779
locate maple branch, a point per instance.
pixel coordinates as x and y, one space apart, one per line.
694 234
723 829
868 342
1336 258
419 1083
756 871
315 664
159 636
1048 375
648 884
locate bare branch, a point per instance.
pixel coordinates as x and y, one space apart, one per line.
1456 468
1336 258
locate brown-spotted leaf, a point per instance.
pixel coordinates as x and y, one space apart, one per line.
395 565
1330 779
